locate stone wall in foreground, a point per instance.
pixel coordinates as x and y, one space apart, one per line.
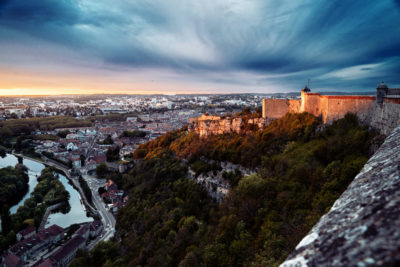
363 226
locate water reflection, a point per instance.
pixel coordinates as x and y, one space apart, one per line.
77 214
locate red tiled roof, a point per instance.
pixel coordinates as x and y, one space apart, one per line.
27 230
11 260
21 247
100 158
51 231
68 247
47 263
83 229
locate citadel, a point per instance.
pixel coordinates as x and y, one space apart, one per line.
381 112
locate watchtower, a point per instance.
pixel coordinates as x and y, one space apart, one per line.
381 92
304 91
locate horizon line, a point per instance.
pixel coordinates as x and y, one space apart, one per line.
175 94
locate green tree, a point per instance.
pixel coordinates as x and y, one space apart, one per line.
102 170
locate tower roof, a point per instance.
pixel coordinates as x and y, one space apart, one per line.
306 89
382 85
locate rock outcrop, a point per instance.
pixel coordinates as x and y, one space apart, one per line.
363 226
213 181
209 125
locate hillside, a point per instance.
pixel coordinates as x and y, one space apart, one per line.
301 167
362 227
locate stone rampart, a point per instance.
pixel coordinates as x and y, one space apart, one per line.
330 107
335 107
383 116
277 108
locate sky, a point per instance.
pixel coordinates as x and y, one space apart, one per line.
191 46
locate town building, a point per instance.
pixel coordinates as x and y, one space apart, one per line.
26 233
65 254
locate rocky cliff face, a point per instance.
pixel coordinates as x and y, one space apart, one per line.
209 125
363 226
216 186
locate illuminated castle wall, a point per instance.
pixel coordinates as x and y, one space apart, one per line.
381 112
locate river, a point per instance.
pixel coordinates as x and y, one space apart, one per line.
77 214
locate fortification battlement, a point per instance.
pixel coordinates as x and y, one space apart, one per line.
381 111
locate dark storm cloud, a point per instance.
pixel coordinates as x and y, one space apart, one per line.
274 42
39 11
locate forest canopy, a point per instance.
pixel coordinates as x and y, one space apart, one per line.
302 167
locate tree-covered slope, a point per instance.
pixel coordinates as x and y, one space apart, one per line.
171 221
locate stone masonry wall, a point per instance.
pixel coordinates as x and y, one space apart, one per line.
337 106
382 117
311 103
331 108
277 108
363 226
385 117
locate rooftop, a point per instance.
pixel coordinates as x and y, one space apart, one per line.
68 247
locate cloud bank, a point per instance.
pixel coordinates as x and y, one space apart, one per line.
199 46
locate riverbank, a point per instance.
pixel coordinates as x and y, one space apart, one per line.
46 215
27 157
98 211
79 213
49 162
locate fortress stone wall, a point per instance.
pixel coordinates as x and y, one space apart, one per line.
331 108
277 108
386 116
328 107
381 112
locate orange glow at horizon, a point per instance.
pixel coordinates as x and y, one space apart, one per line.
23 83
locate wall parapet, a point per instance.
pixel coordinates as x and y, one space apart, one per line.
352 97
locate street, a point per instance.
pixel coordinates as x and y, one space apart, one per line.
107 218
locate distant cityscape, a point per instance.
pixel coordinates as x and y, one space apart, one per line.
119 125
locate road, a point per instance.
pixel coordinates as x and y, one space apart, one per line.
91 146
94 183
107 218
